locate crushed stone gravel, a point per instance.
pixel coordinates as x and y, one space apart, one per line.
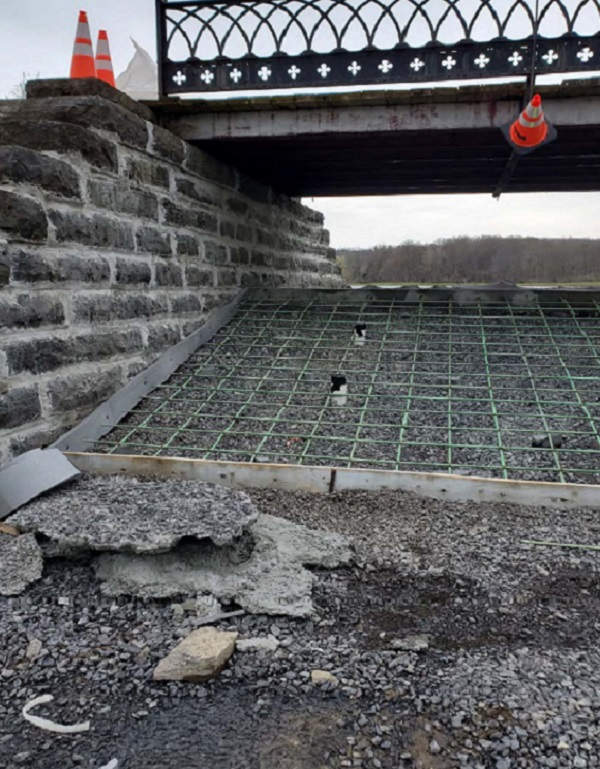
510 677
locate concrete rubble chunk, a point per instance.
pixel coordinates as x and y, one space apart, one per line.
269 643
200 656
34 647
20 563
319 677
263 571
120 514
410 643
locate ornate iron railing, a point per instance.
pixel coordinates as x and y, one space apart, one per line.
215 45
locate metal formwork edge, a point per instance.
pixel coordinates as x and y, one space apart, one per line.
455 488
109 413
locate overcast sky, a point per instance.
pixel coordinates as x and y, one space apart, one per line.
36 36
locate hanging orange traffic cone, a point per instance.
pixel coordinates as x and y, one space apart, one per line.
82 63
530 130
104 69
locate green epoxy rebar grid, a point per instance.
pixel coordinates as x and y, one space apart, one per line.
438 386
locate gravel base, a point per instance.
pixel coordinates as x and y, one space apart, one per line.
511 676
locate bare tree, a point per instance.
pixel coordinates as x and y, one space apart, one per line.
18 90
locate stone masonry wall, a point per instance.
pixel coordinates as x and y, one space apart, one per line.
116 241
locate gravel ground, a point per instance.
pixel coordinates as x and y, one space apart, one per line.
511 676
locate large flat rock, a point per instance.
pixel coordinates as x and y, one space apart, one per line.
200 656
264 571
20 563
120 514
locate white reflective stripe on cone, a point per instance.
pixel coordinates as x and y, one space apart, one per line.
83 49
531 123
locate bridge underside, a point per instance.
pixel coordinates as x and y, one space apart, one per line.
436 141
449 161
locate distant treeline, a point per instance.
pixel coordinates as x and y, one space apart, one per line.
476 260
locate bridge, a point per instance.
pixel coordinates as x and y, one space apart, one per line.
445 140
439 140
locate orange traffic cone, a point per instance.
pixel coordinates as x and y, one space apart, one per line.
530 130
82 63
104 69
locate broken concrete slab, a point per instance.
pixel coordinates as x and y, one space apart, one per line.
30 475
20 563
263 571
200 656
121 514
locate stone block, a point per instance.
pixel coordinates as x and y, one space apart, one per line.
22 217
94 230
94 307
192 190
119 196
227 278
60 137
18 406
147 172
215 253
181 216
4 270
250 279
187 245
267 238
166 145
274 279
168 274
163 335
200 162
30 311
282 263
52 87
245 233
153 241
35 438
198 276
186 303
237 205
286 243
300 229
83 391
49 353
239 255
227 229
89 111
190 326
133 271
217 300
261 259
53 267
20 164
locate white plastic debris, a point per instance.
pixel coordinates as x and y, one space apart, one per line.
46 724
112 764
